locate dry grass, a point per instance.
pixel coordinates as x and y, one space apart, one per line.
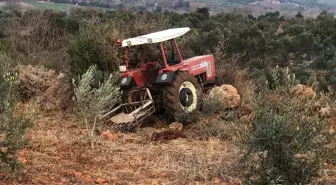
227 131
59 153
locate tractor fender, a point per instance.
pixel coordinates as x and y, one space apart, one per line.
165 78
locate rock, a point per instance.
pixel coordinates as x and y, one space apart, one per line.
87 179
4 149
302 92
22 160
65 180
155 182
332 122
227 94
84 131
108 135
176 126
100 180
217 180
218 116
78 175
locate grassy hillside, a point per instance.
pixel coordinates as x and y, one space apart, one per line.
60 6
53 6
46 5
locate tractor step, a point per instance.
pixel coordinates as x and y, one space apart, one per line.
129 115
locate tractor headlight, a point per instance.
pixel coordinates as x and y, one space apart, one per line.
124 80
122 68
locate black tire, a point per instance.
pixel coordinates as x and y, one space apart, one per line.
180 102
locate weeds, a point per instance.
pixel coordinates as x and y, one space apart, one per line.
211 106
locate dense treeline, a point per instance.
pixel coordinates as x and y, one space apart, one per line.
72 42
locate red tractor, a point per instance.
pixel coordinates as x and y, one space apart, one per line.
166 83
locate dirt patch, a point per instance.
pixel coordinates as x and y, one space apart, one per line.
59 153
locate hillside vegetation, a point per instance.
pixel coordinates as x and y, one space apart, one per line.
59 71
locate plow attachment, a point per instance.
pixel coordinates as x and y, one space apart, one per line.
131 114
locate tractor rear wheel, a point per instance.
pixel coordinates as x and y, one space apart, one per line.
181 98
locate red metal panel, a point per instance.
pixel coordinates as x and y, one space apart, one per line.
196 65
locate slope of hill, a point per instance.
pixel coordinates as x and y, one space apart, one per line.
63 7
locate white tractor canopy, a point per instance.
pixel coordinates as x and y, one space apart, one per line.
155 37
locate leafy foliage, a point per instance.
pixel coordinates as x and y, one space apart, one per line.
93 97
13 127
288 138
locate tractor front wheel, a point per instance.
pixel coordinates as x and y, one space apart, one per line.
181 98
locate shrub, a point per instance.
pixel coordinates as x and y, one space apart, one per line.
211 106
287 141
51 90
93 102
39 38
12 127
210 128
94 46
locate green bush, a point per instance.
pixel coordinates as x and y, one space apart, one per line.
286 144
12 127
92 102
93 46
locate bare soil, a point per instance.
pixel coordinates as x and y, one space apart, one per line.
60 153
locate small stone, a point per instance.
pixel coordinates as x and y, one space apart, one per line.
78 175
88 179
217 180
84 131
108 135
176 126
22 160
100 180
155 182
65 180
4 149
